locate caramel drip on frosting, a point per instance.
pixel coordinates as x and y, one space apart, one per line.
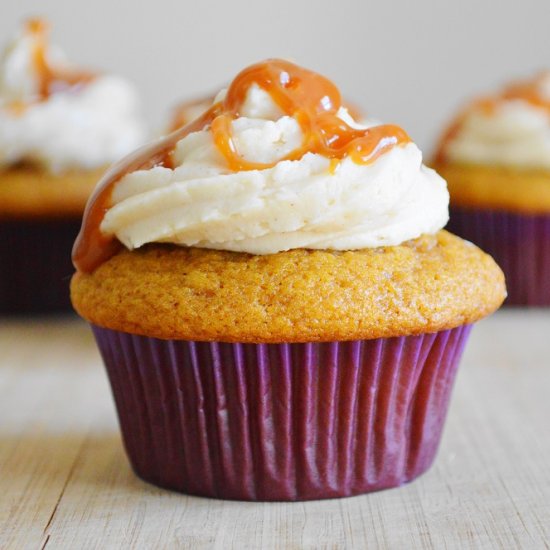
527 91
92 247
311 99
51 79
182 112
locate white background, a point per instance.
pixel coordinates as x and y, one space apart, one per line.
408 62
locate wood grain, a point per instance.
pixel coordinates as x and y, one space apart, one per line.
65 481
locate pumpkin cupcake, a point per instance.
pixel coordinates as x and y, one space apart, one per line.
60 128
495 157
280 314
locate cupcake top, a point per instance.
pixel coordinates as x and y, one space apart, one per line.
509 129
59 117
433 283
275 164
274 217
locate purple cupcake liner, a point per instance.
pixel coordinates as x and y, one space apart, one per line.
520 244
36 268
281 422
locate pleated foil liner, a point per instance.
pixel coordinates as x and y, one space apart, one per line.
281 422
35 265
519 243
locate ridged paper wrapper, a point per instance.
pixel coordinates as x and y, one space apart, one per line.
519 243
281 422
35 265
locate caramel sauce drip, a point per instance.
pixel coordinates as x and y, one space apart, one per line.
527 91
92 247
182 112
50 79
310 98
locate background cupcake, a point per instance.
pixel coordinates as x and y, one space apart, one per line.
279 312
496 160
187 111
60 127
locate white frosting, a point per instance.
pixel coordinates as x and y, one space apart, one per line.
295 204
89 127
515 134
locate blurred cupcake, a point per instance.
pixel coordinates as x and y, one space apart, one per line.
187 111
496 159
60 127
279 312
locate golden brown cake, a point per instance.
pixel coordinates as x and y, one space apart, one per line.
425 285
30 192
504 188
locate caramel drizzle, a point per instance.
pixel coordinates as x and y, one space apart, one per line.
528 91
92 247
50 79
310 98
181 113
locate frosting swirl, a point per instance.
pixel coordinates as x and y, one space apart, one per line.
267 170
60 117
294 204
511 128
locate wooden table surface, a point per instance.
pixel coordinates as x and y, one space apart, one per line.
65 481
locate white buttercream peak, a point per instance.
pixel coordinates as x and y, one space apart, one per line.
301 203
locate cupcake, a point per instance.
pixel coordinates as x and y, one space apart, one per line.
495 157
279 311
60 128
